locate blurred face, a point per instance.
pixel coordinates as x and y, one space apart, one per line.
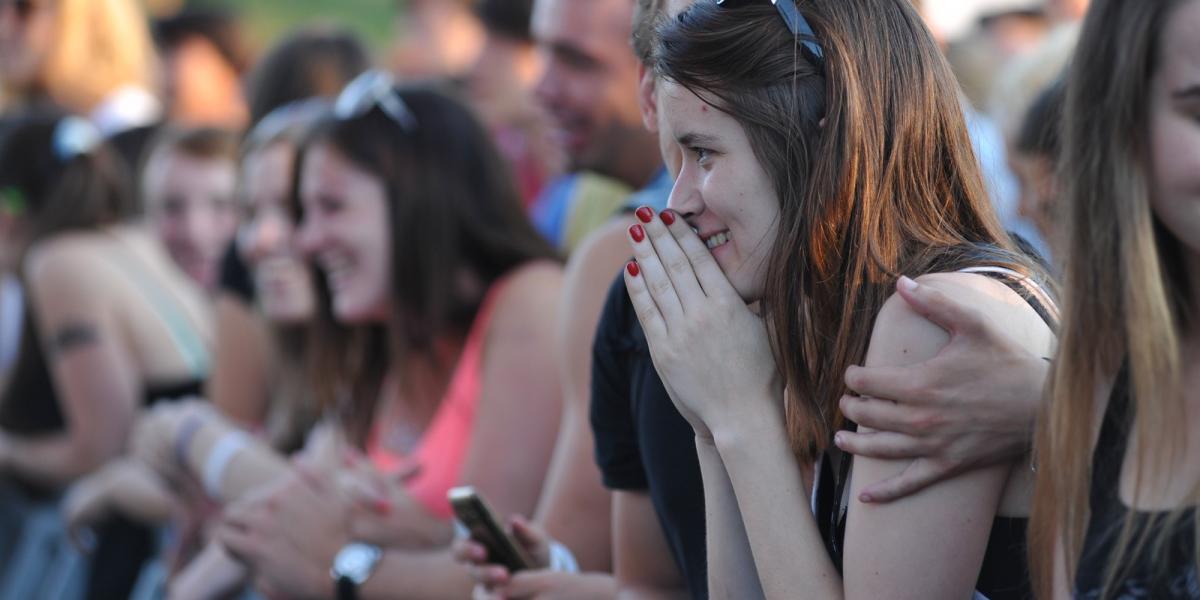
590 79
201 87
501 80
282 281
190 204
722 190
346 232
1039 192
26 35
1175 127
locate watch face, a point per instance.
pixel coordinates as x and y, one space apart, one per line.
356 561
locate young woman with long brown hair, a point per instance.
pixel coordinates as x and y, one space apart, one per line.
1115 510
825 156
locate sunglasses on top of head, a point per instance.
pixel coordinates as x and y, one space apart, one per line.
796 23
374 89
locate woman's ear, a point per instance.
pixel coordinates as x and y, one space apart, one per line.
821 123
647 100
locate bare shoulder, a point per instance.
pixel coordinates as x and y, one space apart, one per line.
65 267
902 336
530 295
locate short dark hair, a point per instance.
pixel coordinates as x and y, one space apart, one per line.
200 142
646 16
508 18
218 27
1041 129
316 61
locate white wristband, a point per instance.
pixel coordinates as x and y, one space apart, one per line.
218 461
561 559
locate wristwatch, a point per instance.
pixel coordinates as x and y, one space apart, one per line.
352 566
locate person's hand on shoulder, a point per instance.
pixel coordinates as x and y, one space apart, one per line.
972 405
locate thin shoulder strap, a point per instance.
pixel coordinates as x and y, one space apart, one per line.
1027 288
186 339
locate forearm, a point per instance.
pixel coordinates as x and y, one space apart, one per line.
250 466
54 460
416 575
731 572
643 592
212 574
789 555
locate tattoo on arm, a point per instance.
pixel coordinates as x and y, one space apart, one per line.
72 336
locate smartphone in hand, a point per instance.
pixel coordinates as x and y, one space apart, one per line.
485 528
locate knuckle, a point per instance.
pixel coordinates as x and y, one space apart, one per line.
660 287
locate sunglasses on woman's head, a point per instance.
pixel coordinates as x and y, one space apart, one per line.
374 89
796 23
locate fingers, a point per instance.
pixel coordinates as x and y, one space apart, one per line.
900 384
712 279
489 576
676 263
467 551
883 445
527 533
939 308
886 415
920 474
653 274
238 541
643 303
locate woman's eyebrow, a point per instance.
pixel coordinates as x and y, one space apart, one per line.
696 139
1188 92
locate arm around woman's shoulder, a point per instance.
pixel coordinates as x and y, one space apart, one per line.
520 402
930 544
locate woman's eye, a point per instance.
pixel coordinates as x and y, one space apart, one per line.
702 154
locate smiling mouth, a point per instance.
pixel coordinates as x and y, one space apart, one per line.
717 239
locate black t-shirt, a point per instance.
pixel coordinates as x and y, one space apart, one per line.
642 442
1172 575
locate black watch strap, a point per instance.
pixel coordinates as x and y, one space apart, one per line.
346 589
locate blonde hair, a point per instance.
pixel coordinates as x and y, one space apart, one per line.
1126 295
99 47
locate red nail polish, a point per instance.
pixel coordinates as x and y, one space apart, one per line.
383 507
633 268
637 232
667 217
644 214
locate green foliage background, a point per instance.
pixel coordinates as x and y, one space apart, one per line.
265 20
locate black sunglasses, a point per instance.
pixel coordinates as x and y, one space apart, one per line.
374 89
796 23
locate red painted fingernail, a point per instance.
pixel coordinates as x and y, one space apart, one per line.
383 507
637 232
667 216
633 268
644 214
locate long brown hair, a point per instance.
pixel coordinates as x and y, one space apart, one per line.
1126 291
452 206
870 157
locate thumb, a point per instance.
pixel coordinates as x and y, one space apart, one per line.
937 307
528 534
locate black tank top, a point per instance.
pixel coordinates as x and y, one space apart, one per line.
1004 574
1171 576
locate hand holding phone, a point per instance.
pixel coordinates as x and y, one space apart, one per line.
485 528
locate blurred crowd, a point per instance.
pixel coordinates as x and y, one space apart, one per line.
650 276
